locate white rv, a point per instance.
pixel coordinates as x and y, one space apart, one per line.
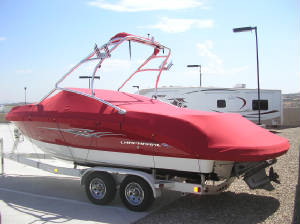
229 100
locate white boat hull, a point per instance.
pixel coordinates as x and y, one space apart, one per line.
88 156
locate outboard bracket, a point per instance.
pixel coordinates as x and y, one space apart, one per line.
254 174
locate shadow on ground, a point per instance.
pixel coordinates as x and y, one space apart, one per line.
57 200
227 207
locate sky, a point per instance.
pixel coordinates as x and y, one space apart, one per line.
41 40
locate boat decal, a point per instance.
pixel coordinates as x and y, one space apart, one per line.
150 144
85 132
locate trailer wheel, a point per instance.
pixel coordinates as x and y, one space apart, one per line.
100 188
136 193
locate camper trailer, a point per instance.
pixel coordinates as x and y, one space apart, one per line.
224 100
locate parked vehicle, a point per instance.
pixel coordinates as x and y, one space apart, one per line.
224 100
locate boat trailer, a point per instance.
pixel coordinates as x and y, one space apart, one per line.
101 182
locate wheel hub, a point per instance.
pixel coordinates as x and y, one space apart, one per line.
97 188
134 193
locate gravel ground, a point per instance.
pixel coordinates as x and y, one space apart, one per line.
239 204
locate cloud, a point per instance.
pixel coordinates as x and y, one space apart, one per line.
213 63
146 5
179 25
2 38
23 71
205 51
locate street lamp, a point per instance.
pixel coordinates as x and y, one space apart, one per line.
196 66
25 93
245 29
89 77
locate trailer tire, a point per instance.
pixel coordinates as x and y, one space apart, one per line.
100 188
136 193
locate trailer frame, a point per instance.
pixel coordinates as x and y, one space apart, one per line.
118 174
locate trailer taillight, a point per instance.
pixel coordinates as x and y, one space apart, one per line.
197 189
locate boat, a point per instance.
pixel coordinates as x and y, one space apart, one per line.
97 127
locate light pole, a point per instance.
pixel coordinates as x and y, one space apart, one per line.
25 93
245 29
196 66
89 77
138 88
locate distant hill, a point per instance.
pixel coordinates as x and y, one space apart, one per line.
291 100
5 108
14 104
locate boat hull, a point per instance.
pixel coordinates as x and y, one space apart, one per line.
133 160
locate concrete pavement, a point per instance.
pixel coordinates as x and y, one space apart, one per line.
29 195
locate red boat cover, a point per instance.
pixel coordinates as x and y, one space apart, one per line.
209 135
